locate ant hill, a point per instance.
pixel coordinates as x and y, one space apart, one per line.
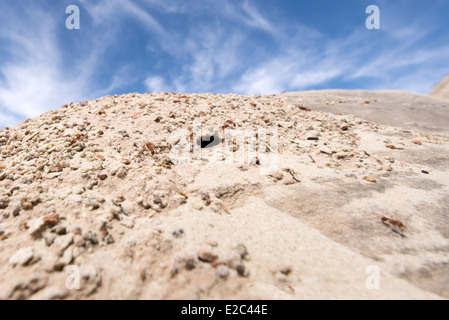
207 196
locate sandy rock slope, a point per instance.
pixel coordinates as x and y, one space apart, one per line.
441 90
94 195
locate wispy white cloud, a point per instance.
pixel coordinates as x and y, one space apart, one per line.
301 58
111 11
212 55
248 14
289 72
34 78
157 84
244 12
174 6
384 60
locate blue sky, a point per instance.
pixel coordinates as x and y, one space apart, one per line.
221 46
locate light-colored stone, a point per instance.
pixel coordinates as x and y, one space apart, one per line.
63 242
35 226
22 257
128 222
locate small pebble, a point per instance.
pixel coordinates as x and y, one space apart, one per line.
11 192
121 172
102 177
35 226
207 256
277 176
16 212
59 230
196 205
124 134
52 219
190 264
22 257
27 206
91 237
4 202
205 196
286 270
223 271
49 239
128 222
109 239
393 147
63 242
241 270
371 179
242 251
178 233
54 293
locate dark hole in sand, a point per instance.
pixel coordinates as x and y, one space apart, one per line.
208 141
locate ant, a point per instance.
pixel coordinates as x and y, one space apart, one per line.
395 225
